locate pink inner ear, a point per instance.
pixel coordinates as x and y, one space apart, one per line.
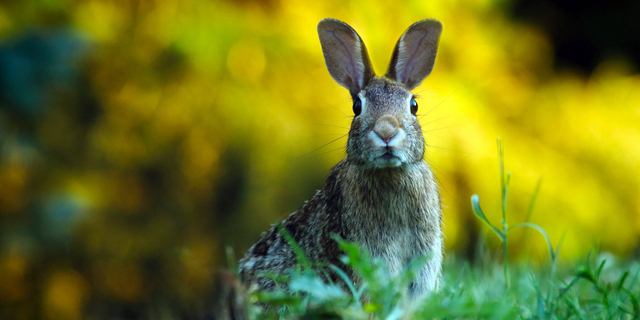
414 56
351 66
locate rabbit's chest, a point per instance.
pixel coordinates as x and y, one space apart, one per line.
396 240
396 218
396 250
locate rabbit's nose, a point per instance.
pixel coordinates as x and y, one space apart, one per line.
386 127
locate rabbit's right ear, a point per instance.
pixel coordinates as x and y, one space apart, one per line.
415 53
345 55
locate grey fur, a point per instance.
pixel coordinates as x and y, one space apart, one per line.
382 196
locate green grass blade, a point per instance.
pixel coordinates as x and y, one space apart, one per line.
622 280
302 258
540 305
505 195
231 259
349 283
534 198
634 303
604 261
504 184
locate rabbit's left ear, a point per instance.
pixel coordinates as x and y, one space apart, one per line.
345 55
415 53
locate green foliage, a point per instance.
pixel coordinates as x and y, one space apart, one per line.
599 288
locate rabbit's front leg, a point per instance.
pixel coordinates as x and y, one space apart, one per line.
429 276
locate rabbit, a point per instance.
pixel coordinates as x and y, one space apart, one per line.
383 195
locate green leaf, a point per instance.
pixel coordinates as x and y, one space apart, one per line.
552 253
585 273
309 282
475 205
372 307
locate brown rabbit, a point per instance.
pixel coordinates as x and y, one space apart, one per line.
382 196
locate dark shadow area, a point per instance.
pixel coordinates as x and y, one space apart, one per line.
585 33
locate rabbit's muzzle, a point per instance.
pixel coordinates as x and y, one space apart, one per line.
386 140
386 128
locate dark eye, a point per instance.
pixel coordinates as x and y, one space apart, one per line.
357 107
414 106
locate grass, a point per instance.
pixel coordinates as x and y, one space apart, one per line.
599 287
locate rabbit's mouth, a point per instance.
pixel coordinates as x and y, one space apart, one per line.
387 160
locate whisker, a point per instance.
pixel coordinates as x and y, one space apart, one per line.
333 106
330 151
330 134
434 120
421 91
329 125
438 179
344 114
455 125
446 149
438 104
437 136
324 145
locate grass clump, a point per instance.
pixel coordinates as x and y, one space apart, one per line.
600 287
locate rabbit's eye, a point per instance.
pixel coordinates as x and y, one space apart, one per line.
414 106
357 107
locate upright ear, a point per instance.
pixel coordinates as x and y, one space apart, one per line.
415 53
345 55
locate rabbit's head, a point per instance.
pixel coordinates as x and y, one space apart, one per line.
385 131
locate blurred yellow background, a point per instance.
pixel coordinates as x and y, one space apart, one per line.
140 138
